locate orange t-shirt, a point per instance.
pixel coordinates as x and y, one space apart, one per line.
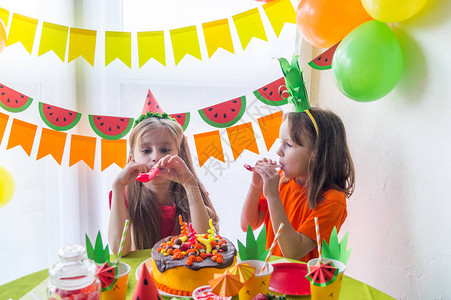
330 212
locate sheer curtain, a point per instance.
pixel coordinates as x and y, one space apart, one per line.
56 205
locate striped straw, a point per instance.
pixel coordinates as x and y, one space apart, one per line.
318 238
272 247
124 233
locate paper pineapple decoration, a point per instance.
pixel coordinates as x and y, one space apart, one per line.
106 271
254 249
335 249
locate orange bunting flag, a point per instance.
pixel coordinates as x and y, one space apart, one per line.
248 25
22 134
82 42
3 122
23 29
53 143
269 126
151 45
54 38
82 148
208 144
217 35
118 45
242 137
185 41
279 12
113 152
4 16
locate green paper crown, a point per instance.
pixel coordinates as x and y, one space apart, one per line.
153 115
336 250
295 84
254 249
98 254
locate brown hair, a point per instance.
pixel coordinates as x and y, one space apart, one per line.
143 208
331 165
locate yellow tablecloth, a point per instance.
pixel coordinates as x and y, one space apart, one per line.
351 288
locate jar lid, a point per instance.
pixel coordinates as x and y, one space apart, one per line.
75 270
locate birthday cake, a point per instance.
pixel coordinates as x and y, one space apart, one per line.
182 263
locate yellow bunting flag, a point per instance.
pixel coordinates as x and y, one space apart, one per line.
22 134
4 16
53 143
208 144
242 137
248 25
217 35
151 45
3 122
279 12
118 45
53 38
185 41
269 126
113 152
23 29
82 148
82 42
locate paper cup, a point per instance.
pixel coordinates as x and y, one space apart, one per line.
119 290
331 291
259 284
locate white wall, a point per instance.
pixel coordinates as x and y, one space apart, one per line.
398 222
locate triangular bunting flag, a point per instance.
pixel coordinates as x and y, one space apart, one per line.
269 126
54 38
208 144
248 25
185 41
82 148
242 137
22 134
118 45
4 16
151 45
53 143
3 122
23 29
82 43
279 12
217 35
113 152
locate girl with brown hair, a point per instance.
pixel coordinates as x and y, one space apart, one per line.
153 207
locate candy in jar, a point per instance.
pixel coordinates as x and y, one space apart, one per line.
74 277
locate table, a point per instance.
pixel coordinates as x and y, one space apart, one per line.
351 288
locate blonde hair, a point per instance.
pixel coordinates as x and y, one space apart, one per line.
331 165
143 208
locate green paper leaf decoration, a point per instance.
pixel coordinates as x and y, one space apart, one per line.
335 249
254 249
98 254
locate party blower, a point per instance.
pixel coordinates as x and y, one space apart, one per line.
250 168
146 177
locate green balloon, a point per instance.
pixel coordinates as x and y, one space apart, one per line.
367 64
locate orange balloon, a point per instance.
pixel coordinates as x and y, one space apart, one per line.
323 23
2 36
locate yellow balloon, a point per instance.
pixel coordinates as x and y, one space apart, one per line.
6 186
390 11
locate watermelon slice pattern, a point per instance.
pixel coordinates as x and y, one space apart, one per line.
58 118
107 274
151 104
110 128
224 114
272 94
324 60
322 274
12 100
182 119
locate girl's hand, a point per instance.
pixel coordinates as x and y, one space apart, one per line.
270 177
256 178
174 168
130 172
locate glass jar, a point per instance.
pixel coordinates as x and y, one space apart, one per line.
74 277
